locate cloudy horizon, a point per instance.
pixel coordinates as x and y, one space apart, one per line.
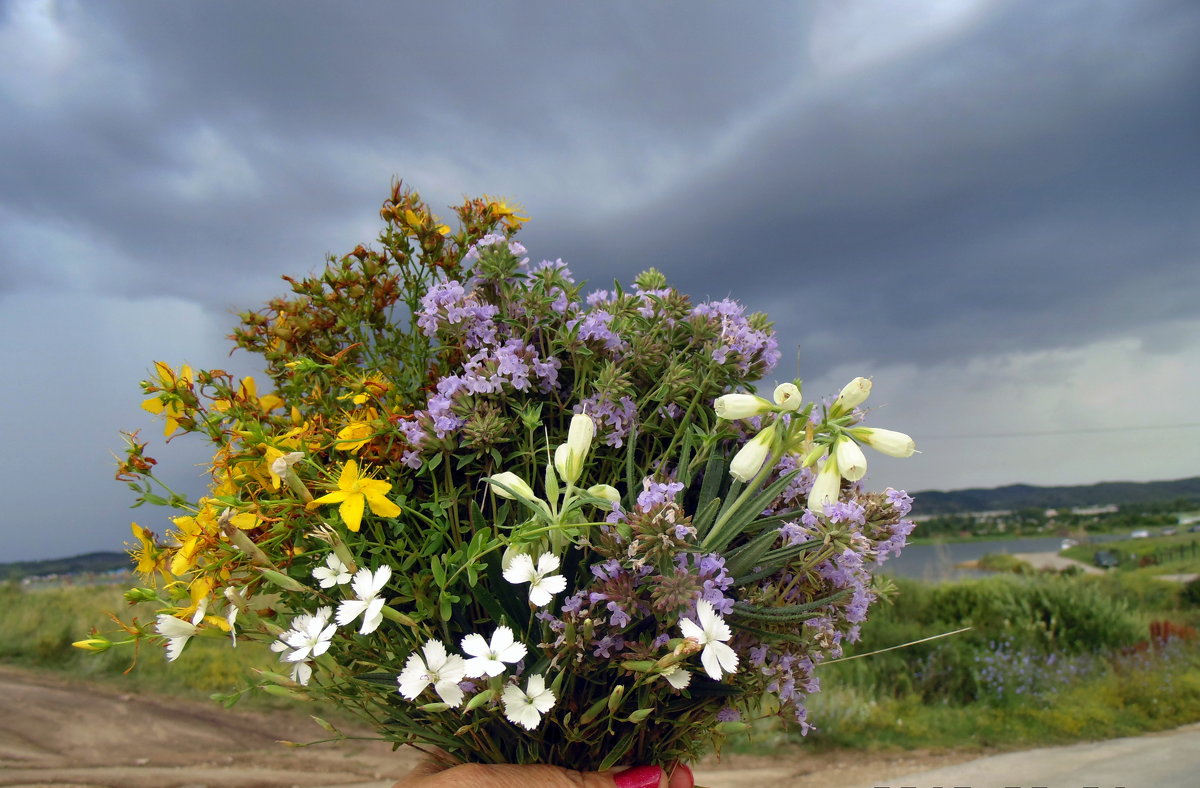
990 208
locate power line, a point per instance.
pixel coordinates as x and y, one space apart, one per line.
1080 431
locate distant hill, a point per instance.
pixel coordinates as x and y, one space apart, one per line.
1020 496
89 562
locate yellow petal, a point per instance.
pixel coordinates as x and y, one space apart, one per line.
351 511
245 521
337 496
382 507
349 475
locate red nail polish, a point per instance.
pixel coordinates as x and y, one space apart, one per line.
639 777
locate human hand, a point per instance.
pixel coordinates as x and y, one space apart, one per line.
431 774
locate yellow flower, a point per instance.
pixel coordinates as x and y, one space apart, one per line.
194 532
167 404
248 392
353 492
505 213
354 436
150 555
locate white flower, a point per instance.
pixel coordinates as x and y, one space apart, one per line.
369 604
889 442
526 707
514 483
542 584
487 659
281 464
301 673
711 634
826 487
309 636
606 491
677 677
237 601
178 632
569 457
750 458
850 460
741 406
787 396
853 394
439 668
334 573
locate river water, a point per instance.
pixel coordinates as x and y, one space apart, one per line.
938 561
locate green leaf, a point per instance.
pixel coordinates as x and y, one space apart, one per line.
439 573
787 614
619 751
705 517
749 555
632 485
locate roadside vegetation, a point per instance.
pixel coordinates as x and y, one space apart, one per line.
1049 659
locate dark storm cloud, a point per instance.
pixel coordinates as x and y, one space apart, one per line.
910 189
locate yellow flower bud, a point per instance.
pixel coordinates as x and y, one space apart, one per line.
889 442
826 487
750 458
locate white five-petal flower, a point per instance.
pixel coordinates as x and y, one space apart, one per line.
178 632
542 584
438 668
677 677
309 636
334 573
711 634
487 659
526 707
369 604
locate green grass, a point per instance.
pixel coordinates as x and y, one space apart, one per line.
1178 554
39 627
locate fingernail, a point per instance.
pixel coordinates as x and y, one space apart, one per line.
639 777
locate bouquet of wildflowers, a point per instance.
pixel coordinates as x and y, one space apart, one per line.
495 514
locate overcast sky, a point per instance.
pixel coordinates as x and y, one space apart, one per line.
993 208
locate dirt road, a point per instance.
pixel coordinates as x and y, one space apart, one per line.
58 732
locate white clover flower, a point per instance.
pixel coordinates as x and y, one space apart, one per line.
439 668
677 677
826 487
889 442
569 457
487 659
750 458
334 573
542 584
787 396
853 394
741 406
309 637
178 632
711 633
851 463
369 604
526 707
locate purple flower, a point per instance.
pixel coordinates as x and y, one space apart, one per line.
613 420
728 714
657 493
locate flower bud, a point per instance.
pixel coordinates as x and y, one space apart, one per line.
512 482
93 644
569 457
826 487
853 394
750 458
606 491
787 396
850 460
741 406
889 442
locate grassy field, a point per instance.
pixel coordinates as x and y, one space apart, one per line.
1157 555
1050 659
